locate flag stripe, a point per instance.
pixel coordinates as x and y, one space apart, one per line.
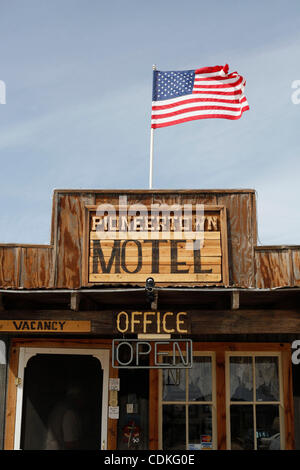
220 69
194 118
214 78
195 99
217 84
193 106
202 111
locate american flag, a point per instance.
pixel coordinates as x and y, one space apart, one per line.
209 92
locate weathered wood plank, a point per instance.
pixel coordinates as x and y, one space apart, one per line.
273 268
163 259
241 222
132 250
37 266
70 239
163 235
202 322
9 266
246 322
295 254
124 277
164 267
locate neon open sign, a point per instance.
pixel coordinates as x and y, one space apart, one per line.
167 354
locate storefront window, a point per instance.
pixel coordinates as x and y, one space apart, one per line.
254 402
252 392
188 406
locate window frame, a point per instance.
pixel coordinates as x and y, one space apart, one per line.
254 403
187 402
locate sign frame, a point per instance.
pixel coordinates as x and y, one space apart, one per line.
160 280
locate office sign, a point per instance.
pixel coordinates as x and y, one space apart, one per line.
167 354
152 322
171 244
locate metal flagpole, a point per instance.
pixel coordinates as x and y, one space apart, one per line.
151 148
151 157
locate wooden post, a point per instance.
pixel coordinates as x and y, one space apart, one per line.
11 399
288 400
1 303
75 300
154 303
221 399
235 300
153 405
112 424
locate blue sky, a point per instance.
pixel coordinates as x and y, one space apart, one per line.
78 78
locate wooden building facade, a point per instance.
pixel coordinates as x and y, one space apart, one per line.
180 331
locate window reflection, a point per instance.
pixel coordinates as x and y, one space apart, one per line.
174 427
200 427
241 424
266 378
241 379
267 427
174 385
200 379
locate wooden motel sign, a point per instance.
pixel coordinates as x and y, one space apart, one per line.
173 244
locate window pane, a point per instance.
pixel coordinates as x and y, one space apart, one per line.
241 379
200 379
266 377
174 385
241 425
267 427
200 427
174 427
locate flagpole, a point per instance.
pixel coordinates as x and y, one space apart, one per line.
151 148
151 156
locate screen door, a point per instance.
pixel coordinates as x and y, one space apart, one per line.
62 400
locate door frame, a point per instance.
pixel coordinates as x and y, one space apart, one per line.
21 352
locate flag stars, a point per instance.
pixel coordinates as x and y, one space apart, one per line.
172 84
